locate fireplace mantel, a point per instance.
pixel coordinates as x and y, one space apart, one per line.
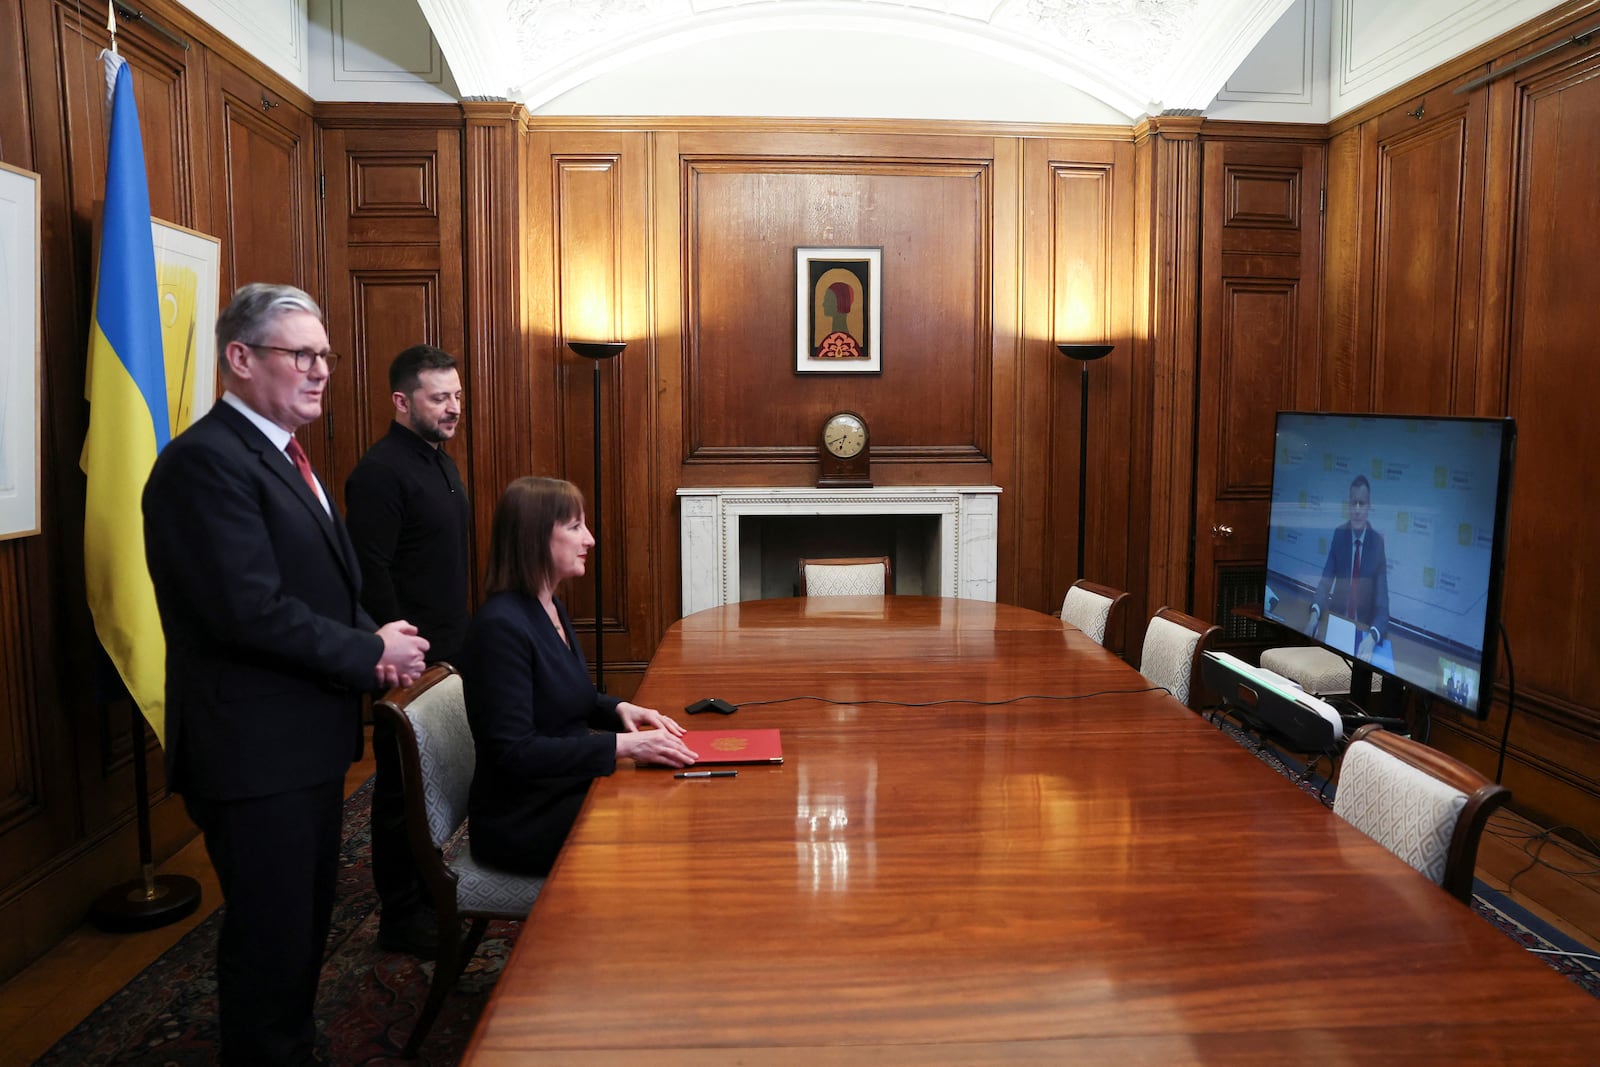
710 543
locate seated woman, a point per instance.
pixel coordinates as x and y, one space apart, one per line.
540 729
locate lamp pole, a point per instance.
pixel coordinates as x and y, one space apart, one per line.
1084 354
598 351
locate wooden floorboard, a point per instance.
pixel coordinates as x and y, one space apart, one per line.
59 990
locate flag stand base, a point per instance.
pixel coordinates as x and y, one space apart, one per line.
146 904
152 900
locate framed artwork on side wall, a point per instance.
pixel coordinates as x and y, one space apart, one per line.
188 265
20 310
838 310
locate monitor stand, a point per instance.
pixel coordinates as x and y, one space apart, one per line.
1361 708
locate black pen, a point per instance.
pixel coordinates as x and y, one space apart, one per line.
707 774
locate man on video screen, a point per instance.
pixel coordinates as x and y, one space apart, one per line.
1355 580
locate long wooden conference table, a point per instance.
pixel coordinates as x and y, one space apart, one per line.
1088 874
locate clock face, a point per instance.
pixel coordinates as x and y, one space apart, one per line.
845 435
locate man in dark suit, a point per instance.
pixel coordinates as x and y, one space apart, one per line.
412 529
1355 580
268 654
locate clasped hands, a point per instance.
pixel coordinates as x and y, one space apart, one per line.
402 661
663 744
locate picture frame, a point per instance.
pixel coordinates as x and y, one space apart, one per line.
21 349
188 272
838 310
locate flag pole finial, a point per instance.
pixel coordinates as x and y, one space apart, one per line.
111 25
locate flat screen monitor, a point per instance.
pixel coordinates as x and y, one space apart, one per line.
1387 542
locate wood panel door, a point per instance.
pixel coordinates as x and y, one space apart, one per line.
1261 256
394 259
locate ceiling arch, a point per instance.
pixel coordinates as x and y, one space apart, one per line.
1136 56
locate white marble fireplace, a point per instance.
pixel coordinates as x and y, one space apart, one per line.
944 537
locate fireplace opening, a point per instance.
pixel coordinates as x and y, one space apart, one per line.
770 547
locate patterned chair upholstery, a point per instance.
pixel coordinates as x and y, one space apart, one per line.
1170 657
1096 610
1424 806
1317 670
853 576
436 764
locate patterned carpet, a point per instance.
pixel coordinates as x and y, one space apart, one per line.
166 1017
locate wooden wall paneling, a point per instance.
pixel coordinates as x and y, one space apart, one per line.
1515 158
1080 196
264 185
504 416
1261 250
27 831
394 262
15 129
39 815
670 337
1552 565
1347 271
598 188
1428 205
1166 359
746 218
1015 375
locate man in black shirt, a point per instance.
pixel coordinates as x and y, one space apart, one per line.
408 515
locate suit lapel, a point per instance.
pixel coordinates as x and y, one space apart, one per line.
278 466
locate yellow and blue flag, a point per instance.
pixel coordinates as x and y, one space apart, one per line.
128 425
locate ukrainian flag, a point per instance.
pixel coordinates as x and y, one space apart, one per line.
127 392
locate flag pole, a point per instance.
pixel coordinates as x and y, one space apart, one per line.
127 427
152 900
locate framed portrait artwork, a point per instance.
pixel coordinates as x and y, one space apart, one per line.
838 310
188 266
20 309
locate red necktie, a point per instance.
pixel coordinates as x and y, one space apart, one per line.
303 465
1355 576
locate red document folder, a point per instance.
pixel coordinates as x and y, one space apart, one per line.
735 746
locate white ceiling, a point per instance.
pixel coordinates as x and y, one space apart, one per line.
1011 60
1138 56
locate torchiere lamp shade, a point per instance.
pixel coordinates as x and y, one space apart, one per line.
597 349
1086 353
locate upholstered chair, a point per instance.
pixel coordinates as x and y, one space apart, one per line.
1170 658
1426 807
852 576
1317 670
436 764
1096 610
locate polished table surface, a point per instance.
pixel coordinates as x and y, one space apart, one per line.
1106 879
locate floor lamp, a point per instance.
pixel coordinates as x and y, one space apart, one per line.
598 351
1084 354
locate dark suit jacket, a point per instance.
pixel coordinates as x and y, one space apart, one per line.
1372 590
534 713
268 649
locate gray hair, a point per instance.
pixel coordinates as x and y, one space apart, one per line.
254 306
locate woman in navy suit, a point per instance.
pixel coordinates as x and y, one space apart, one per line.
541 731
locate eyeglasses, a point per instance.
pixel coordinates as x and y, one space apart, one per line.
304 358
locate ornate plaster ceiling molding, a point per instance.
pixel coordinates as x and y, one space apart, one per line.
1138 56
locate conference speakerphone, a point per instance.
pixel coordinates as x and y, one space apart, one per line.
711 704
1273 704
